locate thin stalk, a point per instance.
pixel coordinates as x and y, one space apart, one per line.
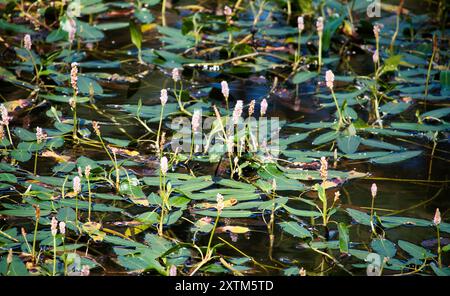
74 135
9 135
439 246
430 65
338 109
26 241
54 255
159 129
34 239
35 162
431 158
371 215
162 186
90 199
397 26
289 10
212 233
320 52
163 13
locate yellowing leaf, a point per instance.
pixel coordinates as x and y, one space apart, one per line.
147 27
56 156
233 229
93 230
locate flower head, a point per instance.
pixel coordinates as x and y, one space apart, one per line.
164 166
319 25
220 203
96 127
237 112
72 103
302 272
85 271
27 42
196 118
225 89
9 258
173 270
376 57
323 168
251 108
437 217
74 77
374 190
2 132
54 226
41 136
62 227
264 106
337 194
176 74
163 97
72 30
76 185
300 24
329 78
87 171
5 116
376 31
227 10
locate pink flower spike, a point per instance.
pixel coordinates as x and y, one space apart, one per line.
437 217
374 190
329 78
164 97
264 106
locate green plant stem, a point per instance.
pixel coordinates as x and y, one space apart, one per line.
162 188
397 26
298 49
371 215
439 246
289 10
90 199
163 13
159 130
35 162
377 111
338 109
34 239
76 210
54 255
212 233
9 136
320 52
74 135
430 65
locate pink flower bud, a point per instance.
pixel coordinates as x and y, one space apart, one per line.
329 78
76 185
163 97
264 106
54 226
27 42
374 190
300 24
225 89
437 217
164 166
319 25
